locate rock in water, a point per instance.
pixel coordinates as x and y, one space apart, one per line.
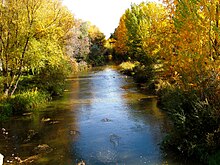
42 149
1 159
114 139
81 163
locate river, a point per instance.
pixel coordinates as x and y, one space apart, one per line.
103 119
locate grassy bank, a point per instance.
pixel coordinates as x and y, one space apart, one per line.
20 103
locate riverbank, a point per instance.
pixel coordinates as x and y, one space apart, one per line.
34 91
102 118
195 131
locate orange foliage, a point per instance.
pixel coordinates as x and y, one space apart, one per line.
121 36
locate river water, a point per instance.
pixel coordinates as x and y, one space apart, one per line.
103 119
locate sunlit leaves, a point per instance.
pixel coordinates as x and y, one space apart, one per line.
32 35
121 47
78 42
142 30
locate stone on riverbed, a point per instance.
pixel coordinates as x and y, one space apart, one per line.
81 163
106 120
1 159
42 149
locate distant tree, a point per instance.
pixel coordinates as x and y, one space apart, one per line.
78 43
97 54
121 39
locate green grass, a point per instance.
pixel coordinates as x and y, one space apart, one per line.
19 103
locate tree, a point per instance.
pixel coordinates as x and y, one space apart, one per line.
121 37
31 36
97 47
79 42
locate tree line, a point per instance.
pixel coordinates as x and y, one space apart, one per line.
174 48
41 43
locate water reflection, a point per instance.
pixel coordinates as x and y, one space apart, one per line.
103 118
134 124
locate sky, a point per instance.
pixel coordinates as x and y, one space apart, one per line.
105 14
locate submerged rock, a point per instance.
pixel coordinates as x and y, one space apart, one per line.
1 159
81 163
30 159
31 135
114 139
18 160
45 119
106 120
54 122
27 114
74 132
42 149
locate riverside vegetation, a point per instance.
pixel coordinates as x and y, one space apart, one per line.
173 48
41 43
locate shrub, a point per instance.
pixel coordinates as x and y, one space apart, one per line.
5 110
195 126
19 103
128 67
27 101
51 78
143 74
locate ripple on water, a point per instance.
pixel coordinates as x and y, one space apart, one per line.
106 156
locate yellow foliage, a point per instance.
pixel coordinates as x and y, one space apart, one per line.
127 65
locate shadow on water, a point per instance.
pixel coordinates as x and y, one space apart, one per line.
103 118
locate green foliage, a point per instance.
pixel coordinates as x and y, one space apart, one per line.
28 101
19 103
128 67
35 90
179 43
97 55
5 110
144 74
32 36
195 125
51 78
135 38
136 27
214 159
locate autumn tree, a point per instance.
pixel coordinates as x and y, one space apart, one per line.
140 31
121 39
32 34
192 96
78 43
140 36
97 54
194 54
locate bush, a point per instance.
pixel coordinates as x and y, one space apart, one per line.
128 67
97 59
27 101
5 110
143 74
19 103
51 78
196 130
